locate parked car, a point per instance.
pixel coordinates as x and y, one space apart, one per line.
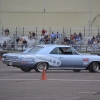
52 57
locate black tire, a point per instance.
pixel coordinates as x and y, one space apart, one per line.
76 70
26 69
39 66
94 67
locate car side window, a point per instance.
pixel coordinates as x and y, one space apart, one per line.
55 51
66 50
74 52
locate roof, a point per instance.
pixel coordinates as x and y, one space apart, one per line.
54 45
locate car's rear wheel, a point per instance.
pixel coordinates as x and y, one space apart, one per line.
94 67
76 70
26 69
39 66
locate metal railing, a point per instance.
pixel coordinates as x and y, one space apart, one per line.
66 31
21 47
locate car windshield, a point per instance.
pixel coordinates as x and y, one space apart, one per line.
35 49
27 50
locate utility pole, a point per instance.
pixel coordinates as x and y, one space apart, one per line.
0 13
90 6
44 5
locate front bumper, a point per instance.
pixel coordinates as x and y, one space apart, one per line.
18 64
11 63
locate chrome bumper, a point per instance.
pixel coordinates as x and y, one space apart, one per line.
10 63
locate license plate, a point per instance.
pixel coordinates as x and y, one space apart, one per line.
10 63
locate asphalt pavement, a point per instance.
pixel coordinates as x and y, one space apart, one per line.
60 85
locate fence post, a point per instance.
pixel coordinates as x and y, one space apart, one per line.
63 32
70 32
23 31
63 29
16 31
36 31
2 30
84 31
98 29
86 48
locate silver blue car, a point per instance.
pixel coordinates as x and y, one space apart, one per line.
52 57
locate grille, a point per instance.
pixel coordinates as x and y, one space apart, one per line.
12 58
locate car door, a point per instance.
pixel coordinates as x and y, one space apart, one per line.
54 55
70 60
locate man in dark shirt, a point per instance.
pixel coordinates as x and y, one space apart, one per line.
4 45
17 40
6 32
24 43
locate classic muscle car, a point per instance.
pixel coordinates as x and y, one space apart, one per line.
52 57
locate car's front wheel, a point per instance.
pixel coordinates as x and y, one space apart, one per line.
94 67
39 66
26 69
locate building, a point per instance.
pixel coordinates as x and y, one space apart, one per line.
50 13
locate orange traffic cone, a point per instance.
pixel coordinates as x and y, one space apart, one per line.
44 75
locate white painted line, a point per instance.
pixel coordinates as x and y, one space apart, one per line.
75 80
68 80
87 92
18 79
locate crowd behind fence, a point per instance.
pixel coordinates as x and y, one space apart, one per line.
24 31
67 31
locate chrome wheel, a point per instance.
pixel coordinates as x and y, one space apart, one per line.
39 67
94 67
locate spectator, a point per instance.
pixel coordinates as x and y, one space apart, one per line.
46 33
6 32
80 34
72 42
12 46
94 48
24 43
95 42
4 45
58 35
98 37
41 39
53 36
89 43
58 40
72 37
43 32
98 44
52 41
93 39
30 35
46 39
17 40
76 44
66 41
33 34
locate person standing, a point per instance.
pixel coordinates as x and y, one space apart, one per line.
6 32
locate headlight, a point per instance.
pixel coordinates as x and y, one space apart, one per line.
3 56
